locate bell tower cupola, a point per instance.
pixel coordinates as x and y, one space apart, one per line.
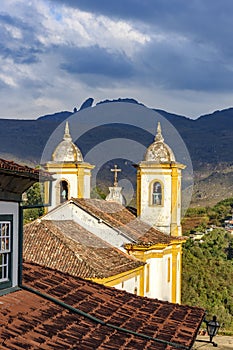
159 187
72 174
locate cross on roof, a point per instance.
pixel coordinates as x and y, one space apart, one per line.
115 170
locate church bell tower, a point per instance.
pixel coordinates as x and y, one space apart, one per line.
72 175
159 187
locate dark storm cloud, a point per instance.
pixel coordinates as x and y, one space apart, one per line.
170 14
184 67
21 55
200 20
156 64
94 60
202 61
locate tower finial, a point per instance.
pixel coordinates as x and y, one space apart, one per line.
67 132
115 194
115 170
159 136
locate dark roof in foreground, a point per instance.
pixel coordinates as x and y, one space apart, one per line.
117 216
16 179
23 170
29 321
66 246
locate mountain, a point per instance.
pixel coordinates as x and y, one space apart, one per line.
208 139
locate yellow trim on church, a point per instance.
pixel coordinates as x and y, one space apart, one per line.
115 280
159 251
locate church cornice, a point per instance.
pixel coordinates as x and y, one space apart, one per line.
115 279
66 165
155 165
150 246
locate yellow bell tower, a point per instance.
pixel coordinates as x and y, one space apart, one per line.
159 187
72 175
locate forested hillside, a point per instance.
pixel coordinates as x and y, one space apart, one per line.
199 218
208 274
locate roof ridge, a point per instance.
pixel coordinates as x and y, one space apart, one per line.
112 218
125 229
79 251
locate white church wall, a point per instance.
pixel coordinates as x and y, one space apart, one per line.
178 279
87 184
154 290
160 215
130 285
72 183
167 277
160 283
99 228
63 212
178 218
72 187
70 211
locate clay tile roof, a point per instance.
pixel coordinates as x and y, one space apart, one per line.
16 179
121 218
29 321
23 170
66 246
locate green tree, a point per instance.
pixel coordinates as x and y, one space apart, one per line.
207 275
33 197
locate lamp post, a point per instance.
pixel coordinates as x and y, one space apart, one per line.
212 329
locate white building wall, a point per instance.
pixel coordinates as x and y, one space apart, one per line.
178 279
69 175
63 212
72 181
11 208
160 286
155 277
179 203
69 211
130 285
87 184
167 280
156 215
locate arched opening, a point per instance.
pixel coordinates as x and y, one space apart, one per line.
157 193
63 191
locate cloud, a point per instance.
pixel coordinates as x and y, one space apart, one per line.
187 44
52 51
183 65
96 61
18 40
208 22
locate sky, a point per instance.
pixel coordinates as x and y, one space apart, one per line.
175 55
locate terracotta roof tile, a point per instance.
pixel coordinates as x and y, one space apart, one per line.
121 218
7 165
16 179
67 247
29 321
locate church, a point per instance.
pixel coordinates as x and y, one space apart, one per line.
141 253
43 308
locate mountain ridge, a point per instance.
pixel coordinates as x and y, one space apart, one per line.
208 139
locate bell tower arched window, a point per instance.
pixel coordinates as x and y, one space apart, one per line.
157 193
63 191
